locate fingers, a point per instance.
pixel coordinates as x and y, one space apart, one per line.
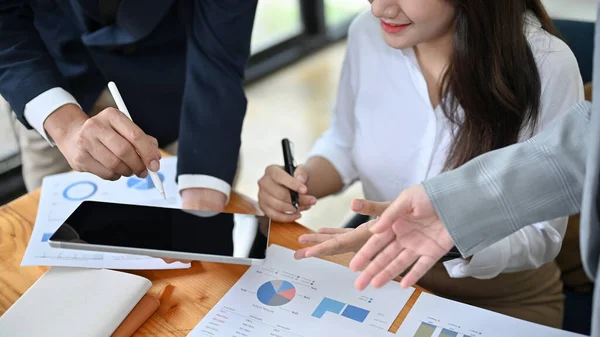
145 147
121 149
306 201
107 158
281 217
372 247
398 264
84 162
314 238
396 210
423 265
310 239
278 205
169 261
367 207
274 196
301 174
333 244
280 177
379 263
326 230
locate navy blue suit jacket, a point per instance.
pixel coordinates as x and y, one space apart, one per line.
179 65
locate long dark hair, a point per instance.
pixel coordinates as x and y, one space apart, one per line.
492 75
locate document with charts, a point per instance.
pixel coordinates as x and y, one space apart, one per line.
286 297
62 193
433 316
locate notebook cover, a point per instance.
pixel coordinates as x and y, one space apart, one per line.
74 302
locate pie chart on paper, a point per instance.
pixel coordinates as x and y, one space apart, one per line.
276 293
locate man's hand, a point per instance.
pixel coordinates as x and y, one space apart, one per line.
108 145
203 199
420 238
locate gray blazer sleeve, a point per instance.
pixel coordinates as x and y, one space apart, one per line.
502 191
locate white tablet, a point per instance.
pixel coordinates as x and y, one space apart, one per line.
165 232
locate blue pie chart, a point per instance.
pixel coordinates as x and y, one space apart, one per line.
276 293
143 184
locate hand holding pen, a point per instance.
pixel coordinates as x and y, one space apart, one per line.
108 145
283 187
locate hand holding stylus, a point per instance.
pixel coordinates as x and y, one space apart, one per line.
108 145
153 166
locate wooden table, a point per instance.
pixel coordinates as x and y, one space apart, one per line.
196 290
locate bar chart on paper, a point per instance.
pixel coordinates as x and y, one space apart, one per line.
428 330
336 307
289 298
433 316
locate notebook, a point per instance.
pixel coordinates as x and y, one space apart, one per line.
74 302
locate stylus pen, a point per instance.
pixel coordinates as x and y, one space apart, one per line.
121 106
289 168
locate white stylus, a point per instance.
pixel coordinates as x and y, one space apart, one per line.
121 106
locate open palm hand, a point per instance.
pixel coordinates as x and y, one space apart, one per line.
420 240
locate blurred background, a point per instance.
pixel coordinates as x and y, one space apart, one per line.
292 76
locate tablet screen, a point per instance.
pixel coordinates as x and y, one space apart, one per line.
167 229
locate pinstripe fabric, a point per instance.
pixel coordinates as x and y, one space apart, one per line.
502 191
556 173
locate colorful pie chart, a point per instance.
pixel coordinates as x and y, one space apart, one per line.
276 293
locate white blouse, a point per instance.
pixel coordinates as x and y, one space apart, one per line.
385 133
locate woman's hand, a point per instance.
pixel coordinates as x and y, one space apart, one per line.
333 241
274 193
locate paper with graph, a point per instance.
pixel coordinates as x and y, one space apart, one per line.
62 193
433 316
290 298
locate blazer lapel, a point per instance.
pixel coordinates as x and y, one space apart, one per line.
135 20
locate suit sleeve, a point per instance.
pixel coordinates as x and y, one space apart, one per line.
502 191
26 68
214 102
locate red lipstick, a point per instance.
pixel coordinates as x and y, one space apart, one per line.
393 29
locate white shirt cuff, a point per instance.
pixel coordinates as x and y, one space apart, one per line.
486 264
204 181
43 105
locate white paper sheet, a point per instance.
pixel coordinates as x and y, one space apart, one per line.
62 193
312 297
433 316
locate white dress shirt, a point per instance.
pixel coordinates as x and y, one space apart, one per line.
385 133
40 107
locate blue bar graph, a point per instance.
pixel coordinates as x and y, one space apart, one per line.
46 236
335 307
355 313
328 305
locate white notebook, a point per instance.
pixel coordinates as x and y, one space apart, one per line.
74 302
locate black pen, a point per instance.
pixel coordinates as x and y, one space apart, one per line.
290 168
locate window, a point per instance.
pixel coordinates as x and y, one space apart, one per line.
275 21
288 30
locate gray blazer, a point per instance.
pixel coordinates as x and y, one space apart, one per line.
553 174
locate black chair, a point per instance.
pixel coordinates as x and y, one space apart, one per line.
356 221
